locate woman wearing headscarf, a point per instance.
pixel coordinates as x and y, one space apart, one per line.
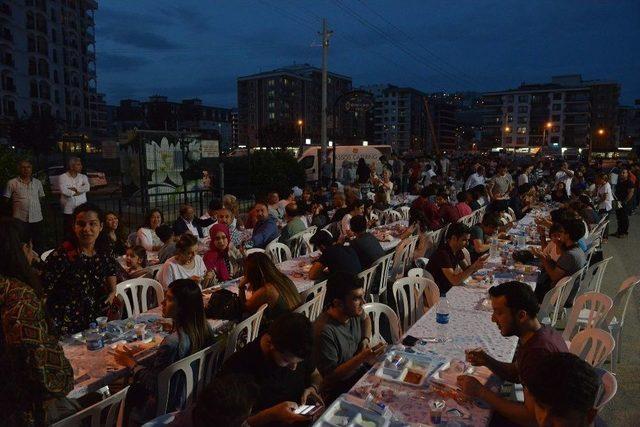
222 256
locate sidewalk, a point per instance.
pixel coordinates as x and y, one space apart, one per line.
624 409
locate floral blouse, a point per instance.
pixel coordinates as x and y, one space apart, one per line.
76 287
32 363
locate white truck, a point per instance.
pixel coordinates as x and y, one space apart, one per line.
309 157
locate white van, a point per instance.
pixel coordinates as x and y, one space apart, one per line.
352 153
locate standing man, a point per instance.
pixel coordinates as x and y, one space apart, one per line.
500 187
73 191
476 178
624 194
25 192
565 175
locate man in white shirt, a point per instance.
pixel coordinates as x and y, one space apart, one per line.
565 175
476 178
444 166
73 190
25 192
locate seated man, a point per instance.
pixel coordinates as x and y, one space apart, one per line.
212 213
448 213
429 208
295 224
343 336
188 223
563 389
265 229
335 257
480 235
515 310
520 203
168 249
572 259
447 265
365 244
279 363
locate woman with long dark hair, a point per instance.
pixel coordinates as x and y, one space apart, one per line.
191 333
146 235
35 374
80 275
268 285
115 233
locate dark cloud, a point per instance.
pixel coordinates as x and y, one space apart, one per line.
114 62
142 39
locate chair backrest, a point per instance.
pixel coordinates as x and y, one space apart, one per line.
312 309
45 254
551 302
249 327
403 256
95 414
300 242
620 301
278 252
468 219
390 215
253 250
415 272
592 279
132 239
410 294
382 266
422 262
134 293
367 278
592 304
593 346
608 387
598 232
375 310
198 370
404 211
318 288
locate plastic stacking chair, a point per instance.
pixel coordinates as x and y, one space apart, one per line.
134 293
45 254
254 250
593 346
410 294
375 311
404 211
278 252
592 279
318 288
300 242
615 324
382 266
247 330
608 387
197 370
415 272
94 415
367 277
551 302
591 308
391 215
312 309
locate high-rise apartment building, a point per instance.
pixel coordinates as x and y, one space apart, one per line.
568 112
48 62
285 96
400 119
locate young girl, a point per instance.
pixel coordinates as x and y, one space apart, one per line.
136 260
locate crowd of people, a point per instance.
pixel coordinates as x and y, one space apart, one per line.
293 361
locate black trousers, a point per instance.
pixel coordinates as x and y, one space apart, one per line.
622 215
35 234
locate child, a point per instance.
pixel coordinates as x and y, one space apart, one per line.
136 260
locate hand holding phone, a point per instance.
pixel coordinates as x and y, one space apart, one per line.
308 410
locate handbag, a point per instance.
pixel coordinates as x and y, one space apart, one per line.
615 203
224 305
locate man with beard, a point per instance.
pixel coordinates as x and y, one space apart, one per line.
514 311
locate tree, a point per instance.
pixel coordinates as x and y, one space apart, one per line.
278 135
37 134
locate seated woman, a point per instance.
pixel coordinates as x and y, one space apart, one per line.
268 285
559 193
116 234
418 225
80 276
35 373
191 333
226 216
185 264
136 262
146 235
222 258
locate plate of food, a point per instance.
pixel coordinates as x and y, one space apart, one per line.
449 372
406 368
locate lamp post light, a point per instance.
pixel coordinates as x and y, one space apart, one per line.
300 123
601 132
547 127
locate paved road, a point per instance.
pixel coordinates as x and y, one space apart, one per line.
624 410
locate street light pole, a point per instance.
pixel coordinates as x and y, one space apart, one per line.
300 123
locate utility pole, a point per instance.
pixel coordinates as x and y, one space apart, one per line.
431 127
323 112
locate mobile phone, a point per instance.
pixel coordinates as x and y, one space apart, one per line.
409 341
308 410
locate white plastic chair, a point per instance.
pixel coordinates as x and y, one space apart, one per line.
403 256
278 252
556 297
608 388
318 288
250 325
415 272
134 294
382 266
613 324
410 294
253 251
367 278
45 254
299 242
591 306
375 310
593 346
467 220
404 211
422 262
114 405
391 215
312 309
592 279
209 362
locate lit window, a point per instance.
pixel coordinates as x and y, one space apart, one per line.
522 130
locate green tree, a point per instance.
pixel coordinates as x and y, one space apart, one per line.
278 135
37 134
274 170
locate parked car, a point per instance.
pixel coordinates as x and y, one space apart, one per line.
96 179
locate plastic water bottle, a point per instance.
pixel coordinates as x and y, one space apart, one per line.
493 249
442 318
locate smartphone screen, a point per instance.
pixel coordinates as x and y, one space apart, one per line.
305 409
409 340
